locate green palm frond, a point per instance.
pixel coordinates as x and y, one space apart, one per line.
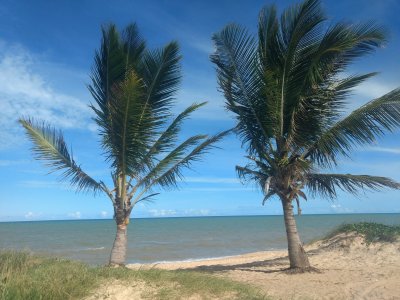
316 91
360 127
147 198
133 89
161 74
242 83
113 62
168 138
131 124
289 91
49 146
173 157
248 174
169 170
326 185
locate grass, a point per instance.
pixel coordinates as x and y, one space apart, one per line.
27 276
373 232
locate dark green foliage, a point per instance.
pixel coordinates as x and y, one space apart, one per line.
288 87
373 232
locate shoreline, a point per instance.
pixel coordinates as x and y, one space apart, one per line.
205 259
230 260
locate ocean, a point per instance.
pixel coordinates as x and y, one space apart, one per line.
170 239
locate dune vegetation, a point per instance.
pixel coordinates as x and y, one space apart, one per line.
372 232
27 276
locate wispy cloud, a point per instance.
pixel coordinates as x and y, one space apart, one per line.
374 89
6 163
219 189
162 212
30 215
383 149
180 213
24 92
104 214
338 208
75 215
43 184
212 180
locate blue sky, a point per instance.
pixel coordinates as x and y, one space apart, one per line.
46 52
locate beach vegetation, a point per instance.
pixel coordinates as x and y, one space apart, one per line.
288 87
133 88
372 232
27 276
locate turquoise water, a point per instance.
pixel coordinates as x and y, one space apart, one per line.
170 239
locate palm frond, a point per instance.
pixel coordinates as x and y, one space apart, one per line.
168 138
169 170
112 63
248 174
315 92
360 127
174 157
241 81
131 138
300 32
147 198
49 146
161 73
133 44
326 185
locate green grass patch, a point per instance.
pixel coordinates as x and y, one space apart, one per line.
27 276
373 232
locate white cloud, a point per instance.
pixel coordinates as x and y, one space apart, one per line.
162 212
207 189
32 215
212 180
75 215
337 208
197 212
103 214
24 92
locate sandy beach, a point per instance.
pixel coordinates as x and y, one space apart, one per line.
348 269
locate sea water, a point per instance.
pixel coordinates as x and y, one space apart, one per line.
170 239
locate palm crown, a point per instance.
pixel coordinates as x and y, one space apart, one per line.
288 90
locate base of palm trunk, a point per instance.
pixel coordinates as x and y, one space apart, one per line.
118 252
297 270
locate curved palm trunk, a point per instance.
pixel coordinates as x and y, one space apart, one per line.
297 256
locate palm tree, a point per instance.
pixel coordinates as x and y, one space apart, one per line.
288 89
133 89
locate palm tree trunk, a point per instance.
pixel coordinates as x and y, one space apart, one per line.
297 256
118 252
